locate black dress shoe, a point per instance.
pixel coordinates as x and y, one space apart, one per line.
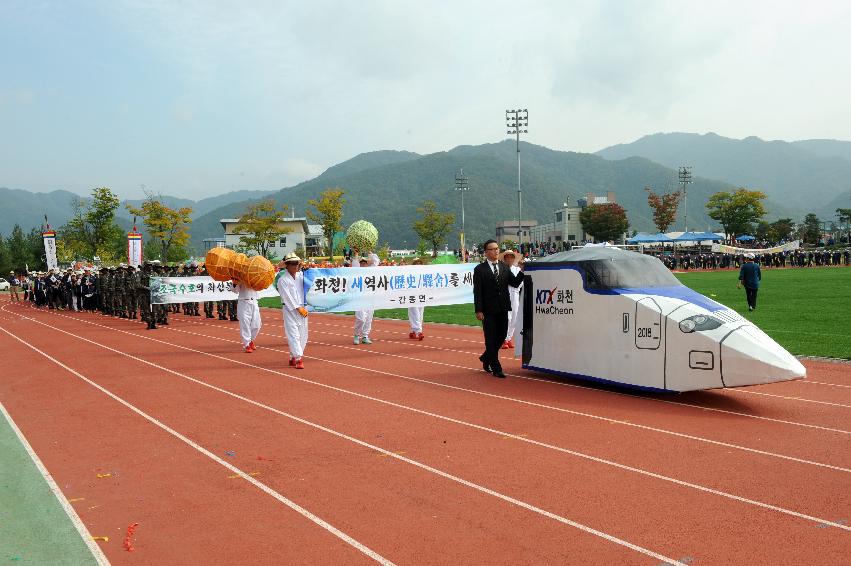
485 365
498 373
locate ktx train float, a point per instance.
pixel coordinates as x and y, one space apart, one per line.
621 317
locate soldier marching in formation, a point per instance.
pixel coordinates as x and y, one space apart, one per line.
122 292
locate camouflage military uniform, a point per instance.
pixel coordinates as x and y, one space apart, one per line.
161 311
208 305
131 296
109 286
143 296
103 303
120 286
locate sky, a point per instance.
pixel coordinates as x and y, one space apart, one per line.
195 98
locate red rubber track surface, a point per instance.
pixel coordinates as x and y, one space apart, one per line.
411 450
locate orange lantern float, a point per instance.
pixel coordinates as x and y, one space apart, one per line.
259 274
218 263
238 266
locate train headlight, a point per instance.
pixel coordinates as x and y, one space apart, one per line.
699 322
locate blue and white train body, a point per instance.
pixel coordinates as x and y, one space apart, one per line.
621 317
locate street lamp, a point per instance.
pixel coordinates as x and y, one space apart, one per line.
516 120
684 174
461 185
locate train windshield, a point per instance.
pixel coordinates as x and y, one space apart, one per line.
629 273
612 268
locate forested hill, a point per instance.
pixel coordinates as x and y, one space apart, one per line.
388 194
386 187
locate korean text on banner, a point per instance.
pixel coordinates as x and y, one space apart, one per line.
49 238
166 290
134 249
354 288
343 289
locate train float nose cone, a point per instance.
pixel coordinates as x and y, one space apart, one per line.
750 357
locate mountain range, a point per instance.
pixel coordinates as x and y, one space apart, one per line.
386 187
800 175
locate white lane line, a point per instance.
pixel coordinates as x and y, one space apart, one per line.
530 403
387 453
263 487
788 398
429 336
433 415
93 547
547 407
571 385
823 383
528 378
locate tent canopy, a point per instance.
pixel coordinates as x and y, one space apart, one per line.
648 238
745 238
710 236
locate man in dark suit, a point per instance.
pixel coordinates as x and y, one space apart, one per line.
491 279
750 276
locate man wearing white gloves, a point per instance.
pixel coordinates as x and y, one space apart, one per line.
290 285
510 258
248 315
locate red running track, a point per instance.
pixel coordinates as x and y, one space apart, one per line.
406 452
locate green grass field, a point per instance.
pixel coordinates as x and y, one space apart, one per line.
805 310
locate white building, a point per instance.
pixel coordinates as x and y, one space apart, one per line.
307 238
566 226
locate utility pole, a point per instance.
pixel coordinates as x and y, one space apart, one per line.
461 185
516 120
684 175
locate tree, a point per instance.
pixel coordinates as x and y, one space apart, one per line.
329 213
736 211
261 224
762 230
509 244
664 208
843 215
604 221
5 260
781 230
19 249
810 230
433 226
92 229
166 226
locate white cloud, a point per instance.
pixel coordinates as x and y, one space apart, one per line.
238 85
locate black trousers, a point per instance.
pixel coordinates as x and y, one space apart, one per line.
751 296
496 327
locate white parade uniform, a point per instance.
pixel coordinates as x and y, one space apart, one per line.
291 290
415 317
514 295
248 313
363 318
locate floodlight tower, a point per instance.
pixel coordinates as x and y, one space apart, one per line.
516 120
684 175
461 185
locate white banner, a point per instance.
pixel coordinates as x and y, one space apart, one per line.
725 249
353 288
134 249
343 289
49 238
195 290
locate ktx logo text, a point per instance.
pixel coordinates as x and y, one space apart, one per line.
549 296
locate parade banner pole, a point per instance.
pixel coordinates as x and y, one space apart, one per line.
49 238
134 247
